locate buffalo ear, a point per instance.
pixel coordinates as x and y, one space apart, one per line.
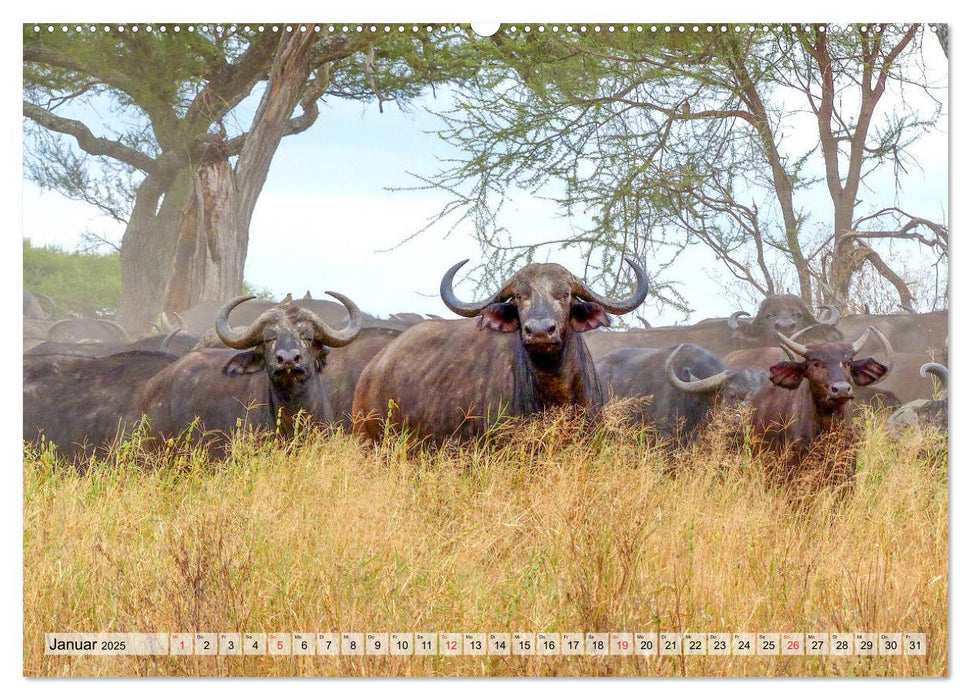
586 315
866 371
248 362
499 317
787 375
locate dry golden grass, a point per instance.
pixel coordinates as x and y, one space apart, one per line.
529 531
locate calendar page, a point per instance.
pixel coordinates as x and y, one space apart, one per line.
514 349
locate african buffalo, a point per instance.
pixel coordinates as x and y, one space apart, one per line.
345 365
720 336
91 330
83 404
916 333
684 383
522 355
808 398
931 412
277 375
874 396
779 313
174 343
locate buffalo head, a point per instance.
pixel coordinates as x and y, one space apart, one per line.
780 313
544 302
288 342
830 369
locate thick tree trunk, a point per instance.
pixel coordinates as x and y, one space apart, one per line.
211 248
214 233
147 248
846 262
194 248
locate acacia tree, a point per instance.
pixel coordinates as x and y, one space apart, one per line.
147 126
651 142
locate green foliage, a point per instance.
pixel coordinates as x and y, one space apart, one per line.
651 142
84 283
264 293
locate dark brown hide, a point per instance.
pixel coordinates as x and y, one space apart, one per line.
521 355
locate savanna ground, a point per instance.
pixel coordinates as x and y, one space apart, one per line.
528 531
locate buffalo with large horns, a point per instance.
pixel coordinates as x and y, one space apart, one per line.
520 355
778 313
276 375
681 386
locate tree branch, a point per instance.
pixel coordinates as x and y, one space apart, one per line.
114 78
906 299
88 142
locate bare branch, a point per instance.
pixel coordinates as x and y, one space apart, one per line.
906 298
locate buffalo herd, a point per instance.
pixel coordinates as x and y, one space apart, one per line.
538 342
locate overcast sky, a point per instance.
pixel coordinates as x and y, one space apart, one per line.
326 211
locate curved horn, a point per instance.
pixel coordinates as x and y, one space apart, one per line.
50 301
454 303
858 344
117 328
935 368
696 386
832 317
239 340
643 321
790 344
620 306
50 329
887 349
733 319
336 339
167 339
165 324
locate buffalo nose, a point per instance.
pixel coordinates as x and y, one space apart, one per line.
541 329
786 326
841 390
288 357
